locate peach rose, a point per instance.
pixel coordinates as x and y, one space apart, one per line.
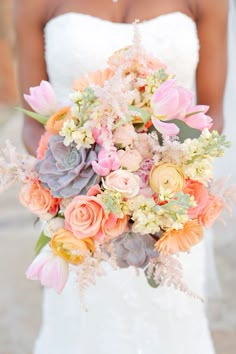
168 176
124 182
84 217
200 194
212 210
174 241
124 135
114 226
38 199
65 245
97 78
130 159
56 121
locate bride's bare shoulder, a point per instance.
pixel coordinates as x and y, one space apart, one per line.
28 13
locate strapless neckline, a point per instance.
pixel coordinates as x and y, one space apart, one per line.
123 24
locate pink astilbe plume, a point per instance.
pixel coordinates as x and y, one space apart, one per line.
15 167
168 271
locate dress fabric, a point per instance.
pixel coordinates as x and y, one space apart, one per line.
124 315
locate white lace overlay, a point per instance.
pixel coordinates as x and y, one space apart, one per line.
124 315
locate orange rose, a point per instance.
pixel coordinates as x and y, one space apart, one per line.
38 199
212 210
56 121
174 241
114 226
200 194
65 245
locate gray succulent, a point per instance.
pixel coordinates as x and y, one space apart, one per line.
134 249
66 171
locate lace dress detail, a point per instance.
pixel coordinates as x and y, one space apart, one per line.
125 315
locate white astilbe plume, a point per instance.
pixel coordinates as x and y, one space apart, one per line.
92 267
115 96
171 151
15 167
168 271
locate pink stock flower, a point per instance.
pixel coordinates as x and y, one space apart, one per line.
42 99
107 161
52 271
171 101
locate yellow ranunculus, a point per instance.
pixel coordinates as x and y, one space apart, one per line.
168 176
64 244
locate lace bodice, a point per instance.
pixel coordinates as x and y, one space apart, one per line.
77 44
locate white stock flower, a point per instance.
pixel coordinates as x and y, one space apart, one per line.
69 127
83 137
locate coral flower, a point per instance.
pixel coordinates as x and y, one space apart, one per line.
182 240
43 145
97 78
56 121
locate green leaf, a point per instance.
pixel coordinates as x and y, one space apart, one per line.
41 119
185 132
43 240
142 113
151 281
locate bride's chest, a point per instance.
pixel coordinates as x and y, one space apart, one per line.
76 44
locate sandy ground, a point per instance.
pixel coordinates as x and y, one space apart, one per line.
20 300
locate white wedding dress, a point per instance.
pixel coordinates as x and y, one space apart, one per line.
124 315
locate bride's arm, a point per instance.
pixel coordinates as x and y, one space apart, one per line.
211 73
29 22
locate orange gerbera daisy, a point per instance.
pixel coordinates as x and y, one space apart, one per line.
182 240
97 78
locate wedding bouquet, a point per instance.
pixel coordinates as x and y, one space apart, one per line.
123 173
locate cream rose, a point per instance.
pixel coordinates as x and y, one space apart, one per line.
53 225
129 159
168 176
124 182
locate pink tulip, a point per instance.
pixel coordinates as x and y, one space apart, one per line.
107 161
42 99
171 101
196 118
51 270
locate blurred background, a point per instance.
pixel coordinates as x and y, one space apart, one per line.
20 300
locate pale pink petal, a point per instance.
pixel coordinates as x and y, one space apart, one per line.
199 121
169 129
55 274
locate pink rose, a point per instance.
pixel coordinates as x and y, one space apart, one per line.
200 193
124 135
84 217
51 270
212 210
114 226
107 161
38 199
124 182
130 159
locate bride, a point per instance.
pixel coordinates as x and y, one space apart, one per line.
62 40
